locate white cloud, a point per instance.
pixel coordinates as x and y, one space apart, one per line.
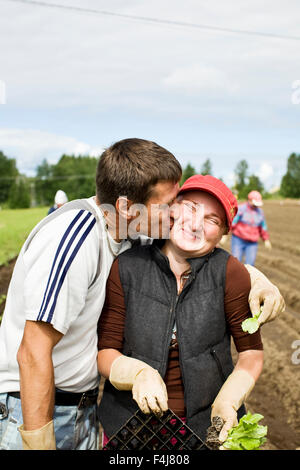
31 146
2 92
186 86
108 58
198 78
265 171
230 179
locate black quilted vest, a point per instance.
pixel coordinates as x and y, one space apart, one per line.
152 306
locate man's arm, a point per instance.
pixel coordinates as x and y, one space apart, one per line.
36 374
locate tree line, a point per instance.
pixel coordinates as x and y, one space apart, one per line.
73 174
246 182
76 176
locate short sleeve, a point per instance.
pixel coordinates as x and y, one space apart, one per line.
237 309
60 263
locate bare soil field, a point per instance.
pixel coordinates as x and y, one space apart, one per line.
277 392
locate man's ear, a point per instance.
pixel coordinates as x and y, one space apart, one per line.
123 207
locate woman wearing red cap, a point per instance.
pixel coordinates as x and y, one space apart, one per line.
171 310
247 227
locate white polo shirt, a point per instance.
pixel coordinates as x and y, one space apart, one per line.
57 280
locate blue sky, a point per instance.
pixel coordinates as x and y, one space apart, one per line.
76 82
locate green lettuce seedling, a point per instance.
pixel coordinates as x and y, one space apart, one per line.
251 325
247 435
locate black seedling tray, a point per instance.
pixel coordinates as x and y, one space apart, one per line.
148 432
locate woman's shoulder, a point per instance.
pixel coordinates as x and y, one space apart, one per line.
136 250
237 276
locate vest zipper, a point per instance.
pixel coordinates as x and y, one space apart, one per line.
191 278
219 365
170 329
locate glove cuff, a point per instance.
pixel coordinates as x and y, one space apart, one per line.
39 439
256 275
124 370
235 390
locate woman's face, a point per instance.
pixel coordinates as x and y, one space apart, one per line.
199 223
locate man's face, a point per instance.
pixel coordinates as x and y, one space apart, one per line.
154 217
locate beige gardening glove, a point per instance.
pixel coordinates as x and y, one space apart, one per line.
148 388
39 439
264 292
229 399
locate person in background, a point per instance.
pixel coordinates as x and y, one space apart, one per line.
248 226
60 199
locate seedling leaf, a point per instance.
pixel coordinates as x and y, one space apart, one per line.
247 435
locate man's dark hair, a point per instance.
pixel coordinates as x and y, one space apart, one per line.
131 167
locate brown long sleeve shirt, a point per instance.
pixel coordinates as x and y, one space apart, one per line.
112 322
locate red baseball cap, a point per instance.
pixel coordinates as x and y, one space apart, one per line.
217 188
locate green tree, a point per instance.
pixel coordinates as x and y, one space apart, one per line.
290 183
44 183
241 174
254 183
206 168
8 172
19 195
188 171
75 175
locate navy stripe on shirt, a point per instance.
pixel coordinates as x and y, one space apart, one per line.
67 266
49 291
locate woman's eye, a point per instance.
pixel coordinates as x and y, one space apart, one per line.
213 221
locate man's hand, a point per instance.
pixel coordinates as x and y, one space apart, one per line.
148 388
39 439
263 292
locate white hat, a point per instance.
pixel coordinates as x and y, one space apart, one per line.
255 198
60 197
